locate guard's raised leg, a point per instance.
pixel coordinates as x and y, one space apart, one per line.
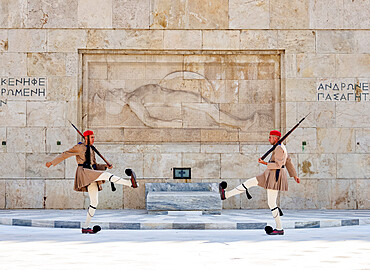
118 180
239 189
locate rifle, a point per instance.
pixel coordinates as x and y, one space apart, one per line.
96 151
282 138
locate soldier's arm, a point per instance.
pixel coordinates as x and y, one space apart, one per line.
290 167
291 170
74 151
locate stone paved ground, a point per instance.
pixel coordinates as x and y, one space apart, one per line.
54 248
229 219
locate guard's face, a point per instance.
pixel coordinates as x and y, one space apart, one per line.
273 139
92 139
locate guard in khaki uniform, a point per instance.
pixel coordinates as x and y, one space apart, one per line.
273 179
89 175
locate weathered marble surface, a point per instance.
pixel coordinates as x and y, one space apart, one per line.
336 41
30 40
61 88
13 114
220 39
342 142
42 64
60 195
363 141
2 139
363 194
343 194
38 114
317 166
178 187
258 39
355 15
353 65
52 14
182 197
2 194
188 14
246 14
177 39
130 14
284 14
94 14
297 41
13 64
238 166
25 194
353 166
66 40
35 167
4 40
351 115
322 14
160 165
183 201
295 141
14 169
65 135
203 165
26 140
316 65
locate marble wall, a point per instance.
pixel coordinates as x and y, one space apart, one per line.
177 83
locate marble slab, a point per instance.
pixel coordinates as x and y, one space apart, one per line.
183 197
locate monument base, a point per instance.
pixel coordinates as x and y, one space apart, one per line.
163 198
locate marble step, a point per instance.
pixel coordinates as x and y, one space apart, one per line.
184 201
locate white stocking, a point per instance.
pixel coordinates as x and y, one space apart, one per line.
115 179
93 194
240 189
271 200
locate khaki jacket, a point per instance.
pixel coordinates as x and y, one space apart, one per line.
279 158
83 177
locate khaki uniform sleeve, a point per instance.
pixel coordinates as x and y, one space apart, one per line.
74 151
289 166
279 159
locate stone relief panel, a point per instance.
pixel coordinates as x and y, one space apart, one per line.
180 93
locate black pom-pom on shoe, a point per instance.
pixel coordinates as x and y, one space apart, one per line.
128 172
96 228
221 189
223 185
268 229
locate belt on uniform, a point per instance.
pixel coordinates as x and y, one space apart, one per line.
86 166
278 173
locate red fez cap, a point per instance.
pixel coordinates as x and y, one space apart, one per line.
275 132
88 132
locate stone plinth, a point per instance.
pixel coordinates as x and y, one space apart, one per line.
164 197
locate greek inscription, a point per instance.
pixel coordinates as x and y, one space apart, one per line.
343 91
26 88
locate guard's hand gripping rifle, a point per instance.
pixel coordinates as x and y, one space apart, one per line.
282 138
96 151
